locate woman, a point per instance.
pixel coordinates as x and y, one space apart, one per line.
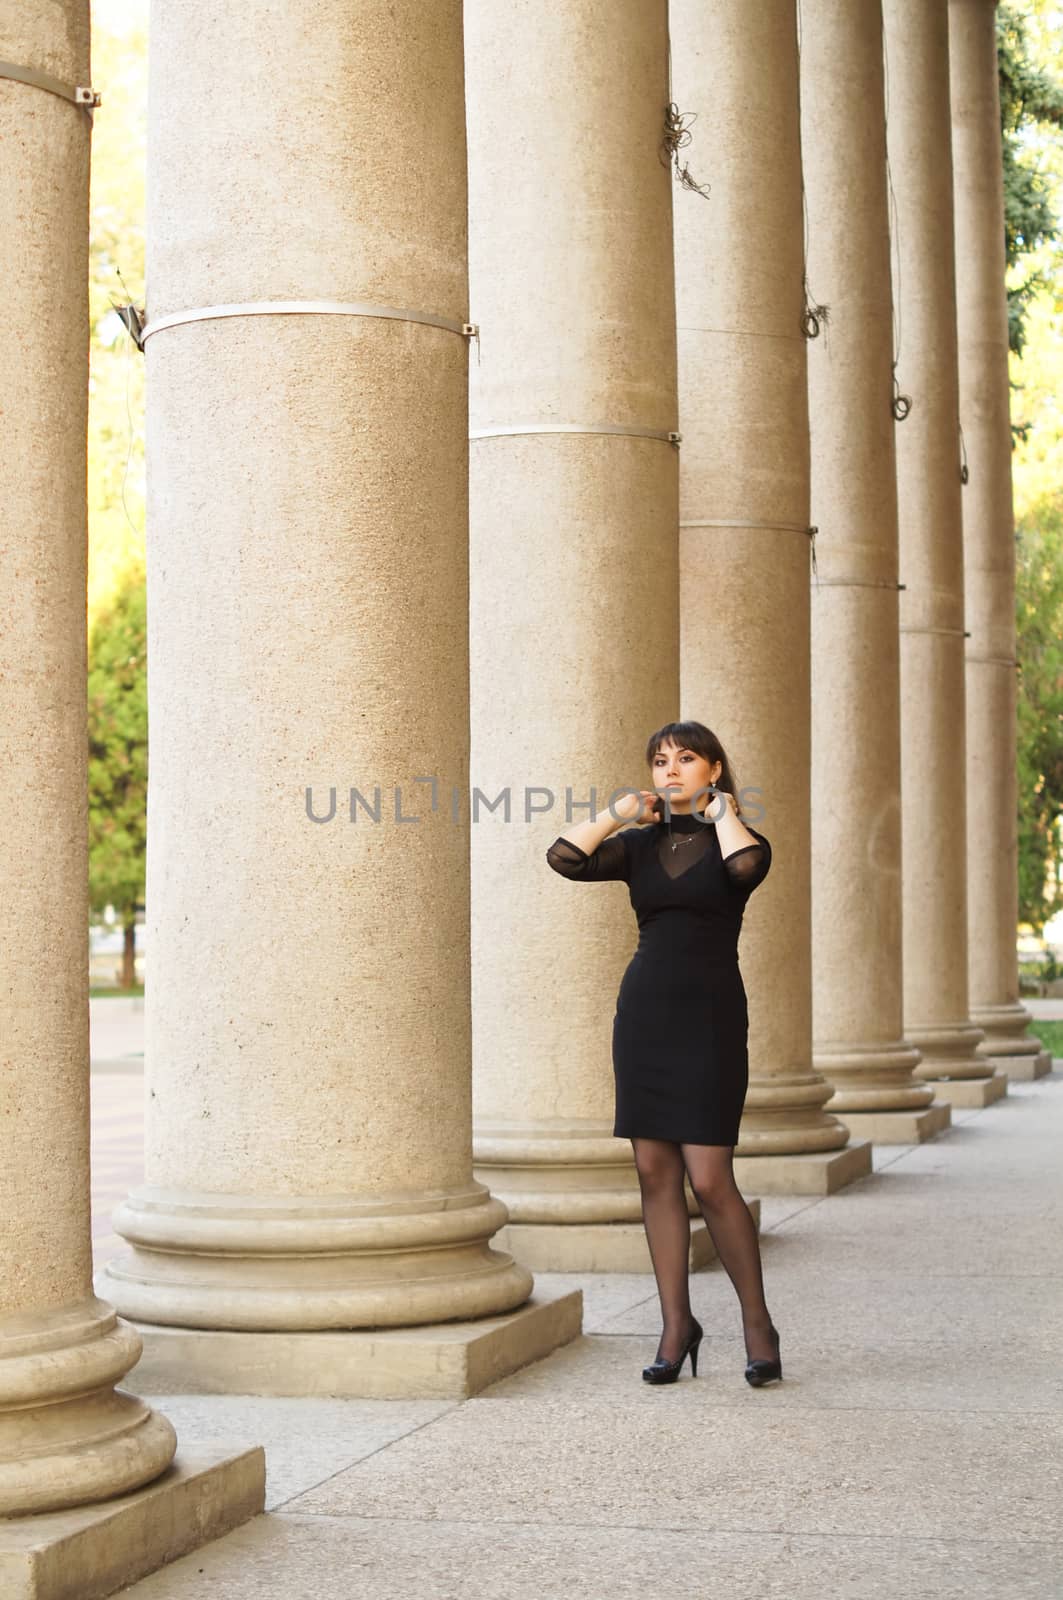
680 1062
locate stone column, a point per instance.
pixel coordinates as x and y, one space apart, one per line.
744 545
937 1019
989 547
68 1437
858 977
309 1134
574 502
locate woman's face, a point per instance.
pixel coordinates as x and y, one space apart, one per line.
681 773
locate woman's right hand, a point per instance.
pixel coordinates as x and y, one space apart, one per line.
645 807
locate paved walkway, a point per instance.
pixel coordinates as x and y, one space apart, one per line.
914 1448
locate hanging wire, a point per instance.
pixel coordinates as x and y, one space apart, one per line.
133 320
965 475
677 136
901 404
814 317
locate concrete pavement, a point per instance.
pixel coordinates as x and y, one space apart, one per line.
914 1447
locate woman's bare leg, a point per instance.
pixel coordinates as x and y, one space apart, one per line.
664 1212
734 1233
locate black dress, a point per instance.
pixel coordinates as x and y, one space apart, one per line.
680 1061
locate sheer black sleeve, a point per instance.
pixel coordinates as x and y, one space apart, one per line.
608 863
749 866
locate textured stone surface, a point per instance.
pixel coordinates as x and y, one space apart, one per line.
93 1551
760 1466
858 1028
308 1139
912 1449
988 525
306 1558
445 1360
305 1440
66 1437
744 512
932 745
573 545
898 1127
971 1091
805 1171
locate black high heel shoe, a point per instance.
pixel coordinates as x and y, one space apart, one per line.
760 1371
668 1371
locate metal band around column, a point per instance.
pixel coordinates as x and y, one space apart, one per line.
993 661
336 308
947 633
624 429
760 527
738 522
858 583
78 95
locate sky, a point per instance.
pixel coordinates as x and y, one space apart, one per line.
118 15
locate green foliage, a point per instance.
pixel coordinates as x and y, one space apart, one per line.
1030 98
117 685
1050 1035
1039 626
116 274
118 749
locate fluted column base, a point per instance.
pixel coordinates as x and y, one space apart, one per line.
872 1077
952 1066
1005 1032
67 1436
876 1095
600 1247
786 1116
1007 1046
558 1172
948 1050
574 1199
301 1263
789 1144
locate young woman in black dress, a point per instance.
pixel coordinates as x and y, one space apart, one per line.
680 1063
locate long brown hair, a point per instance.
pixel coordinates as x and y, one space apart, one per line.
695 736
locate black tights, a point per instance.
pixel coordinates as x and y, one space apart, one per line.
661 1166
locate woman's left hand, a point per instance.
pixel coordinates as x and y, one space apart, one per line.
732 803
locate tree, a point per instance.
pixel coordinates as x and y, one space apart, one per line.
118 757
116 274
1039 623
1030 99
